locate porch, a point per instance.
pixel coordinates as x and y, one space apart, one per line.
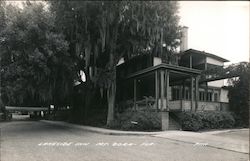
151 88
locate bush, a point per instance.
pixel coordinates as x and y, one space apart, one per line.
239 121
143 120
61 115
96 117
228 120
191 121
194 121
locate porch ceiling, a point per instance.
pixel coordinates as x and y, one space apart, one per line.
177 76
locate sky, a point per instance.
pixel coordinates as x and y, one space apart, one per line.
218 27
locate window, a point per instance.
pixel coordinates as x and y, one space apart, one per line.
209 96
202 96
216 97
176 94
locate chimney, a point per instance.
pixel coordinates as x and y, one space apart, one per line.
184 39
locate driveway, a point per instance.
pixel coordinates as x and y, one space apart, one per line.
41 141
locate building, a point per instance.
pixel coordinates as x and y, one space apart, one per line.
147 81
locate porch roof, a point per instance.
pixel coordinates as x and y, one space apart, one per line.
172 68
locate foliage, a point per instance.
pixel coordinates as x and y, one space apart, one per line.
35 65
122 28
98 117
2 16
239 94
239 75
142 120
191 121
194 121
101 32
62 115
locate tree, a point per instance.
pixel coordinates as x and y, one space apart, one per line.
36 69
239 93
101 32
238 76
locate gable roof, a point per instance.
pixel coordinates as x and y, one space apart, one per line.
193 51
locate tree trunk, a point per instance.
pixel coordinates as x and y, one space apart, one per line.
111 92
89 92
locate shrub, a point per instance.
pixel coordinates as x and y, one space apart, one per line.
97 117
190 121
194 121
143 120
62 115
227 121
239 122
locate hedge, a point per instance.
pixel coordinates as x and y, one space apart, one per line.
145 120
141 120
194 121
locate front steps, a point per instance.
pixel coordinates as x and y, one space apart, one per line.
174 122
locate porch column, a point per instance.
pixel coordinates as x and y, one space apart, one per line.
192 92
206 92
162 88
212 95
196 92
135 93
182 94
167 89
156 90
165 112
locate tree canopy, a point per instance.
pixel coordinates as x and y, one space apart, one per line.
101 32
99 29
35 63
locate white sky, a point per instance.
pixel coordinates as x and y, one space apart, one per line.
220 28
